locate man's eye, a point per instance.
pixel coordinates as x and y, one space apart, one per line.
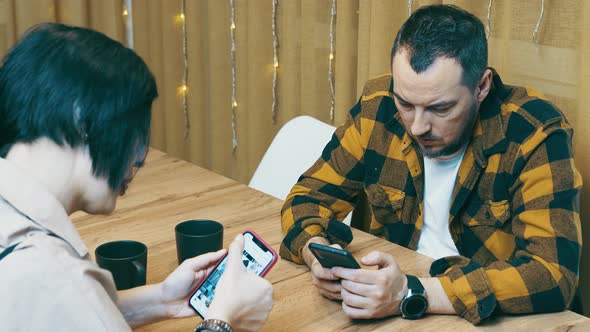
404 105
440 111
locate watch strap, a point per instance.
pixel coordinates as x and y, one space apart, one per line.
414 284
214 325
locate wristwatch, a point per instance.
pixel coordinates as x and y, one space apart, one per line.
214 325
414 305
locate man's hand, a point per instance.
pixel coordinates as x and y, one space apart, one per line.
328 285
372 293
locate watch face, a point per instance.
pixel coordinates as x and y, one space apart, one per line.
414 306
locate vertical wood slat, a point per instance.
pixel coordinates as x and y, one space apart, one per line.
29 13
219 78
346 58
172 73
72 12
106 17
198 103
289 75
148 37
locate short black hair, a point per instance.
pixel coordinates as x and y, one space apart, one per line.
444 31
78 87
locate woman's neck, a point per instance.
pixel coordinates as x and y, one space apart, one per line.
52 165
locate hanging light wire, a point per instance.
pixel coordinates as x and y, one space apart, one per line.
184 87
539 21
128 21
275 46
234 102
489 20
331 60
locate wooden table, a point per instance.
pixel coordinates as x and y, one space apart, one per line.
167 191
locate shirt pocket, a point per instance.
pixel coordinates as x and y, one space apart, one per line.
386 203
489 213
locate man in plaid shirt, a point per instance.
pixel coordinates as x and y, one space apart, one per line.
455 165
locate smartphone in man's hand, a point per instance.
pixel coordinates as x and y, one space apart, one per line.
330 257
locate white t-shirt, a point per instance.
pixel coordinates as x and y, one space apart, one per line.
439 181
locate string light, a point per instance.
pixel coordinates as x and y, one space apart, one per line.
489 20
183 89
275 47
234 104
331 62
127 14
410 6
536 31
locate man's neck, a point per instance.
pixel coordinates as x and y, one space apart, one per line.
451 156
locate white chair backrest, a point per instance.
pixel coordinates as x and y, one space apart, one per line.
297 145
294 149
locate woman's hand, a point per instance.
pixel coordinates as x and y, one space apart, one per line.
242 299
179 284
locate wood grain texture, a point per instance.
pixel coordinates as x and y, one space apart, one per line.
168 191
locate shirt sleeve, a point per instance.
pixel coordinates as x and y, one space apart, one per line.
542 274
326 193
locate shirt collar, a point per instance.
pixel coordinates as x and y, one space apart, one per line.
33 200
490 117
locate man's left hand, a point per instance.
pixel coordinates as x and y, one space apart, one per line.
372 293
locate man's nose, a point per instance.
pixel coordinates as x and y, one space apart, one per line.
421 124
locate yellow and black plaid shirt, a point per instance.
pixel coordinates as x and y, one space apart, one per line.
514 215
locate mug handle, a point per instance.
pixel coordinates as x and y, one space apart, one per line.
140 274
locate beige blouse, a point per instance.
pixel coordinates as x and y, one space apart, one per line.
49 282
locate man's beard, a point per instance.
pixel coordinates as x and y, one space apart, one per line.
460 142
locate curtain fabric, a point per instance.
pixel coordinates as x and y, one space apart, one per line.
558 65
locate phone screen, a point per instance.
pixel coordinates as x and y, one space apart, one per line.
256 257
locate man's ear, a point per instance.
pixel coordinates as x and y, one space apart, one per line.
80 128
484 85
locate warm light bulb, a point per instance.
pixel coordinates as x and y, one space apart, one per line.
182 90
276 64
233 26
331 56
125 12
179 18
235 104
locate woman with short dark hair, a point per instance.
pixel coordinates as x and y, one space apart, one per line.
75 111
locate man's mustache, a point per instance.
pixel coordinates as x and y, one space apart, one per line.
427 137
